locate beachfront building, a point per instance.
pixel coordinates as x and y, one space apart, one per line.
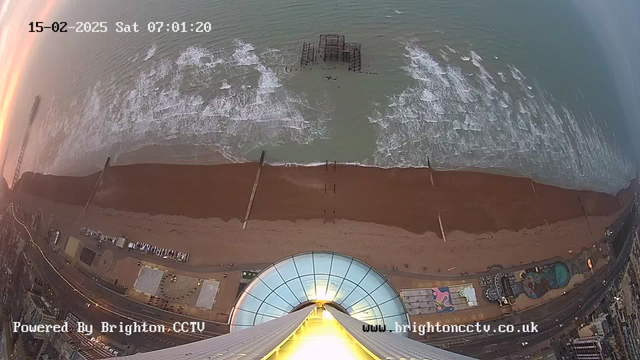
589 348
318 305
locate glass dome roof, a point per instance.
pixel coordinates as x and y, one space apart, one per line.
319 276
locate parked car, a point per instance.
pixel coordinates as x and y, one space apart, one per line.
54 235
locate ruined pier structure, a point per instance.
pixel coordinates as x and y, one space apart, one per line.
332 48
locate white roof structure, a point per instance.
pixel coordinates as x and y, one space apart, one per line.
266 340
341 280
390 346
208 293
254 343
313 304
148 280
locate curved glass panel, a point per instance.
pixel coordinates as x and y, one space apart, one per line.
319 276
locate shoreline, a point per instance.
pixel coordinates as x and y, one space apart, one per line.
215 158
204 155
413 199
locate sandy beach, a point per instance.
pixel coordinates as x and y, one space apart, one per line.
468 201
386 217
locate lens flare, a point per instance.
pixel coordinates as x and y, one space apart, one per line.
13 69
321 337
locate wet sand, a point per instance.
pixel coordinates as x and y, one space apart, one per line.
470 202
389 218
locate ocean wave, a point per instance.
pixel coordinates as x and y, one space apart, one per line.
468 122
444 55
150 53
516 74
456 120
170 101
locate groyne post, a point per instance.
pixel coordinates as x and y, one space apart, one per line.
253 191
444 237
430 172
95 188
584 211
538 210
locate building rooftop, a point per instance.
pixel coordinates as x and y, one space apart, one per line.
319 277
37 300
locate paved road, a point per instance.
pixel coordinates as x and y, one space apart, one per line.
76 291
75 301
113 308
563 310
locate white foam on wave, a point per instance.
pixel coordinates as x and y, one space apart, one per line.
462 122
428 96
268 81
293 164
244 54
444 55
150 52
453 51
252 112
197 57
465 58
515 73
398 12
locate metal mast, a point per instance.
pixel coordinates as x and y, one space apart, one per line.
4 159
34 111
